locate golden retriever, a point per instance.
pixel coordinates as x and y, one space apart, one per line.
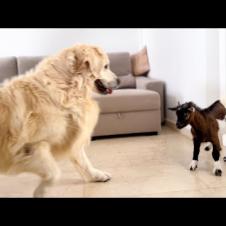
49 111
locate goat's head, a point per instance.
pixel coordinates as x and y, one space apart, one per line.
184 112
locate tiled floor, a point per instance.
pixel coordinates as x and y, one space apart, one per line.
141 166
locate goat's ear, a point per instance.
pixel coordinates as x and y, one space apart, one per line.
191 109
173 109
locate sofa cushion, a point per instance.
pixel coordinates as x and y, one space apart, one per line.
127 81
140 62
120 63
8 67
25 63
127 100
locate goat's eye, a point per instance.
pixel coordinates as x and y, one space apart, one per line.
106 66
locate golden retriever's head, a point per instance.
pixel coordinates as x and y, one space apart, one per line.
93 62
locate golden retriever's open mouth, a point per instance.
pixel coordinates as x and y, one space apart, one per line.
102 88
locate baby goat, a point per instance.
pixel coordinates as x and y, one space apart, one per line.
204 128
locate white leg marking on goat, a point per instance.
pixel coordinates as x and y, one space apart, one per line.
193 165
217 166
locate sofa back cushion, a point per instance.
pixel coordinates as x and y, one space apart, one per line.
25 63
120 64
8 67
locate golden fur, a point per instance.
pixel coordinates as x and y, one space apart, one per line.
49 112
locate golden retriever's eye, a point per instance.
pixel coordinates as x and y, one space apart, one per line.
106 66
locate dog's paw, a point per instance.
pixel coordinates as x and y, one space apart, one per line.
217 170
39 192
193 165
100 176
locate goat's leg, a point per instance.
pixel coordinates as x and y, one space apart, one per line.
217 170
194 163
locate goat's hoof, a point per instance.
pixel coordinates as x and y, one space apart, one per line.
218 172
193 169
194 165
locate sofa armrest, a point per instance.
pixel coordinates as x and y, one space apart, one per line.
155 85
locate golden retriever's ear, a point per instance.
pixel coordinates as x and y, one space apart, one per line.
89 64
71 62
83 59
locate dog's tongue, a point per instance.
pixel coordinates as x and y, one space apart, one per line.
109 91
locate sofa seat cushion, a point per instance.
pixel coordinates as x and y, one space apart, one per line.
127 100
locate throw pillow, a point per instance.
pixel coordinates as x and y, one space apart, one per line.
140 62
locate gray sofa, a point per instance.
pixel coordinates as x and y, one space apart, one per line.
136 107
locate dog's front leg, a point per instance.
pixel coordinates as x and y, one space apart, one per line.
86 169
194 163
